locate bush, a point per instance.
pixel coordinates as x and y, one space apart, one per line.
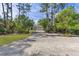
23 24
44 23
50 27
2 30
74 29
67 21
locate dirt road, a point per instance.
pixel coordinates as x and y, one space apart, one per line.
46 44
43 44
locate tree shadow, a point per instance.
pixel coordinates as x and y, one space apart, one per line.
44 34
31 40
62 35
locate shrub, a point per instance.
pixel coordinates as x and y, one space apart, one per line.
44 23
23 24
2 29
67 21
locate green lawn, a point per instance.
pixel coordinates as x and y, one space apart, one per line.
5 39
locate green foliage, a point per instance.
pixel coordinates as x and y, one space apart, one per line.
50 11
67 20
2 29
23 24
50 27
44 23
10 26
2 26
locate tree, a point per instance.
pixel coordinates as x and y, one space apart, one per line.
62 5
64 19
44 23
7 16
3 11
11 12
22 20
54 10
8 19
23 8
4 15
24 24
50 10
18 7
45 9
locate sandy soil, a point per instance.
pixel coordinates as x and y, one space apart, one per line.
52 45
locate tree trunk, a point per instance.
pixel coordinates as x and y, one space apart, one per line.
23 10
47 16
4 15
11 12
7 10
19 9
3 11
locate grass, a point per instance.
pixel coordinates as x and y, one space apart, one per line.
5 39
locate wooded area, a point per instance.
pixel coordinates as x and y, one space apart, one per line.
21 24
59 18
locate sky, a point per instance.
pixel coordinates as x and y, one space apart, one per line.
33 14
35 11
